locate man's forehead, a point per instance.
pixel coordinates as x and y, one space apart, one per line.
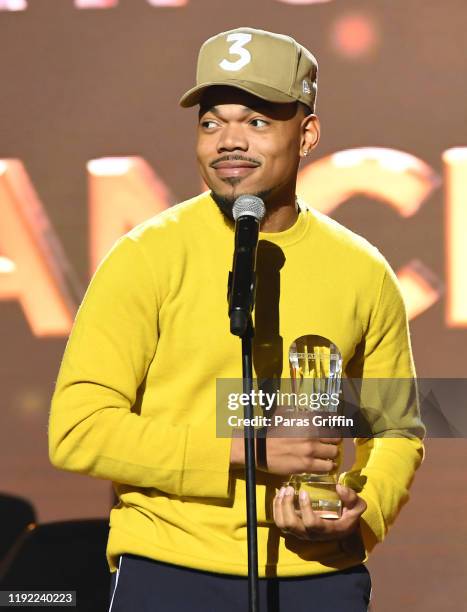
215 98
217 108
217 95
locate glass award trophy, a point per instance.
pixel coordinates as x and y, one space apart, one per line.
315 372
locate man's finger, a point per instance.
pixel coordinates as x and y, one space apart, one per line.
348 496
277 509
288 508
312 522
292 521
351 502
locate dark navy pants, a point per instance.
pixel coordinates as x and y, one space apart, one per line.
144 585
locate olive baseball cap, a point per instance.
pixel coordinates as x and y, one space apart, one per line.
273 67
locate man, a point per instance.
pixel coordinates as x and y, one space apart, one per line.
136 394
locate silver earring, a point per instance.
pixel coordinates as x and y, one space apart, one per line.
305 153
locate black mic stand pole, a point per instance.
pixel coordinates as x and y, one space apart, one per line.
246 333
241 296
250 471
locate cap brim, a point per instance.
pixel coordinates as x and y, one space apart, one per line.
193 96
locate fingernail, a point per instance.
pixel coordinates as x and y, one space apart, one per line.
281 492
290 491
343 488
303 495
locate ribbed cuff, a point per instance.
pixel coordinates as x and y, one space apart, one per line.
206 470
372 524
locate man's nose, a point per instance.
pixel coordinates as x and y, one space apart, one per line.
232 138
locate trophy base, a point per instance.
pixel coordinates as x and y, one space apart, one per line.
327 509
321 489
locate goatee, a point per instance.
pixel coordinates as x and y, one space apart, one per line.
225 203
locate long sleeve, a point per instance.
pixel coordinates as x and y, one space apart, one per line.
94 427
385 464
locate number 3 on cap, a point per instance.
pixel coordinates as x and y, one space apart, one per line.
240 39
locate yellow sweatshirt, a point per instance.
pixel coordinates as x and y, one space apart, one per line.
135 397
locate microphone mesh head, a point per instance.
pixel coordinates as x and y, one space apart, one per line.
248 205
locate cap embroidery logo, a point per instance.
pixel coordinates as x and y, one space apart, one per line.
306 87
240 40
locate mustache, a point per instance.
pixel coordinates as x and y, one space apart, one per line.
237 157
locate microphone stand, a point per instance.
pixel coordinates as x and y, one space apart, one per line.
250 471
250 464
241 297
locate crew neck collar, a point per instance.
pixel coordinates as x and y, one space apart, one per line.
284 238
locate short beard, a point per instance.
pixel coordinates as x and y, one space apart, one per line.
225 203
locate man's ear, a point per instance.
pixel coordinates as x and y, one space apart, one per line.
311 132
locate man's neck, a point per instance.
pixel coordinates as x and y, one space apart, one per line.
280 218
280 214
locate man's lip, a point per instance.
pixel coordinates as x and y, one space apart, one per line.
240 163
234 171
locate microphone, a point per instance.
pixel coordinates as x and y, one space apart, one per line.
248 211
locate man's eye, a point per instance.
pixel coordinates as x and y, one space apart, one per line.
258 122
208 124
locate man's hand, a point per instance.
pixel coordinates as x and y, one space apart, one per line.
310 526
292 449
285 456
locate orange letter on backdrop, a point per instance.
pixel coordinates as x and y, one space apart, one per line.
398 179
13 5
123 191
455 163
33 267
101 4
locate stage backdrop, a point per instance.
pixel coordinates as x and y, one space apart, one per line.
92 142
